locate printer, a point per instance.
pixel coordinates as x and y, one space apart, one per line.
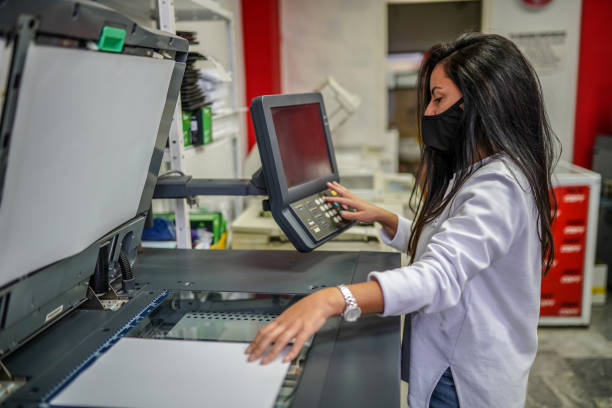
87 102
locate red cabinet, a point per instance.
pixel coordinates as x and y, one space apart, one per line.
566 289
562 287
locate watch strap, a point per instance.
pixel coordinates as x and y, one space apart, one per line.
348 296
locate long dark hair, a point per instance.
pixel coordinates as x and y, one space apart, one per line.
503 113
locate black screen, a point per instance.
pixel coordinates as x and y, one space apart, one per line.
302 143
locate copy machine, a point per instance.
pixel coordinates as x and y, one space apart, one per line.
85 320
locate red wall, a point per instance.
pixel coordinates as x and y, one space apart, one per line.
594 98
261 36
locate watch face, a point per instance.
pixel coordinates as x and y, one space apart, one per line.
352 314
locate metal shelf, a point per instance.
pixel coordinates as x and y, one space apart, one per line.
139 10
184 10
224 113
193 151
194 10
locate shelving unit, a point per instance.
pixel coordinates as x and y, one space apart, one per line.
228 139
227 124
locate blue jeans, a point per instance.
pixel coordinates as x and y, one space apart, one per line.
444 395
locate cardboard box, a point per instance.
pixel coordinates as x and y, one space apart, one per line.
187 128
201 120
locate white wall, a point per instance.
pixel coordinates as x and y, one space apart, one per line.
347 40
507 17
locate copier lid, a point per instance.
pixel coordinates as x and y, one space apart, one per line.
84 135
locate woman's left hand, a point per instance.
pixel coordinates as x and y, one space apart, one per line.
299 322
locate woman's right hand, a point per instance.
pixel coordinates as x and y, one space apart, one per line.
362 211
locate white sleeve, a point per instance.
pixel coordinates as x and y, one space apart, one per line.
402 235
486 215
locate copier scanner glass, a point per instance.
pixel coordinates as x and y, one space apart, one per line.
297 159
301 139
196 338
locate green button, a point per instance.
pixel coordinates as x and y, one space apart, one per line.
111 39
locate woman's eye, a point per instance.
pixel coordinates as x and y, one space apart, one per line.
437 100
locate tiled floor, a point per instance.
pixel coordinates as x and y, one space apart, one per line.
573 367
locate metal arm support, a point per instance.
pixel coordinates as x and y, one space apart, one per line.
186 186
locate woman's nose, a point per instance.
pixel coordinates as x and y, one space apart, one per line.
429 110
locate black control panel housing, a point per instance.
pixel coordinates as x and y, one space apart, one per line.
321 218
300 210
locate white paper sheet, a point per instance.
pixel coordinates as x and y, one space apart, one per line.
175 373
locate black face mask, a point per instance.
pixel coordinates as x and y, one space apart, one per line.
441 131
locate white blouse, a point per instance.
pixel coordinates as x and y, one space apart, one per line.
475 285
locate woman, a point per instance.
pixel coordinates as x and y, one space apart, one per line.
481 234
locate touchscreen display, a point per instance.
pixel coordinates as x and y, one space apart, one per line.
302 143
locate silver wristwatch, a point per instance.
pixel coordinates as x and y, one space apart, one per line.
352 311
